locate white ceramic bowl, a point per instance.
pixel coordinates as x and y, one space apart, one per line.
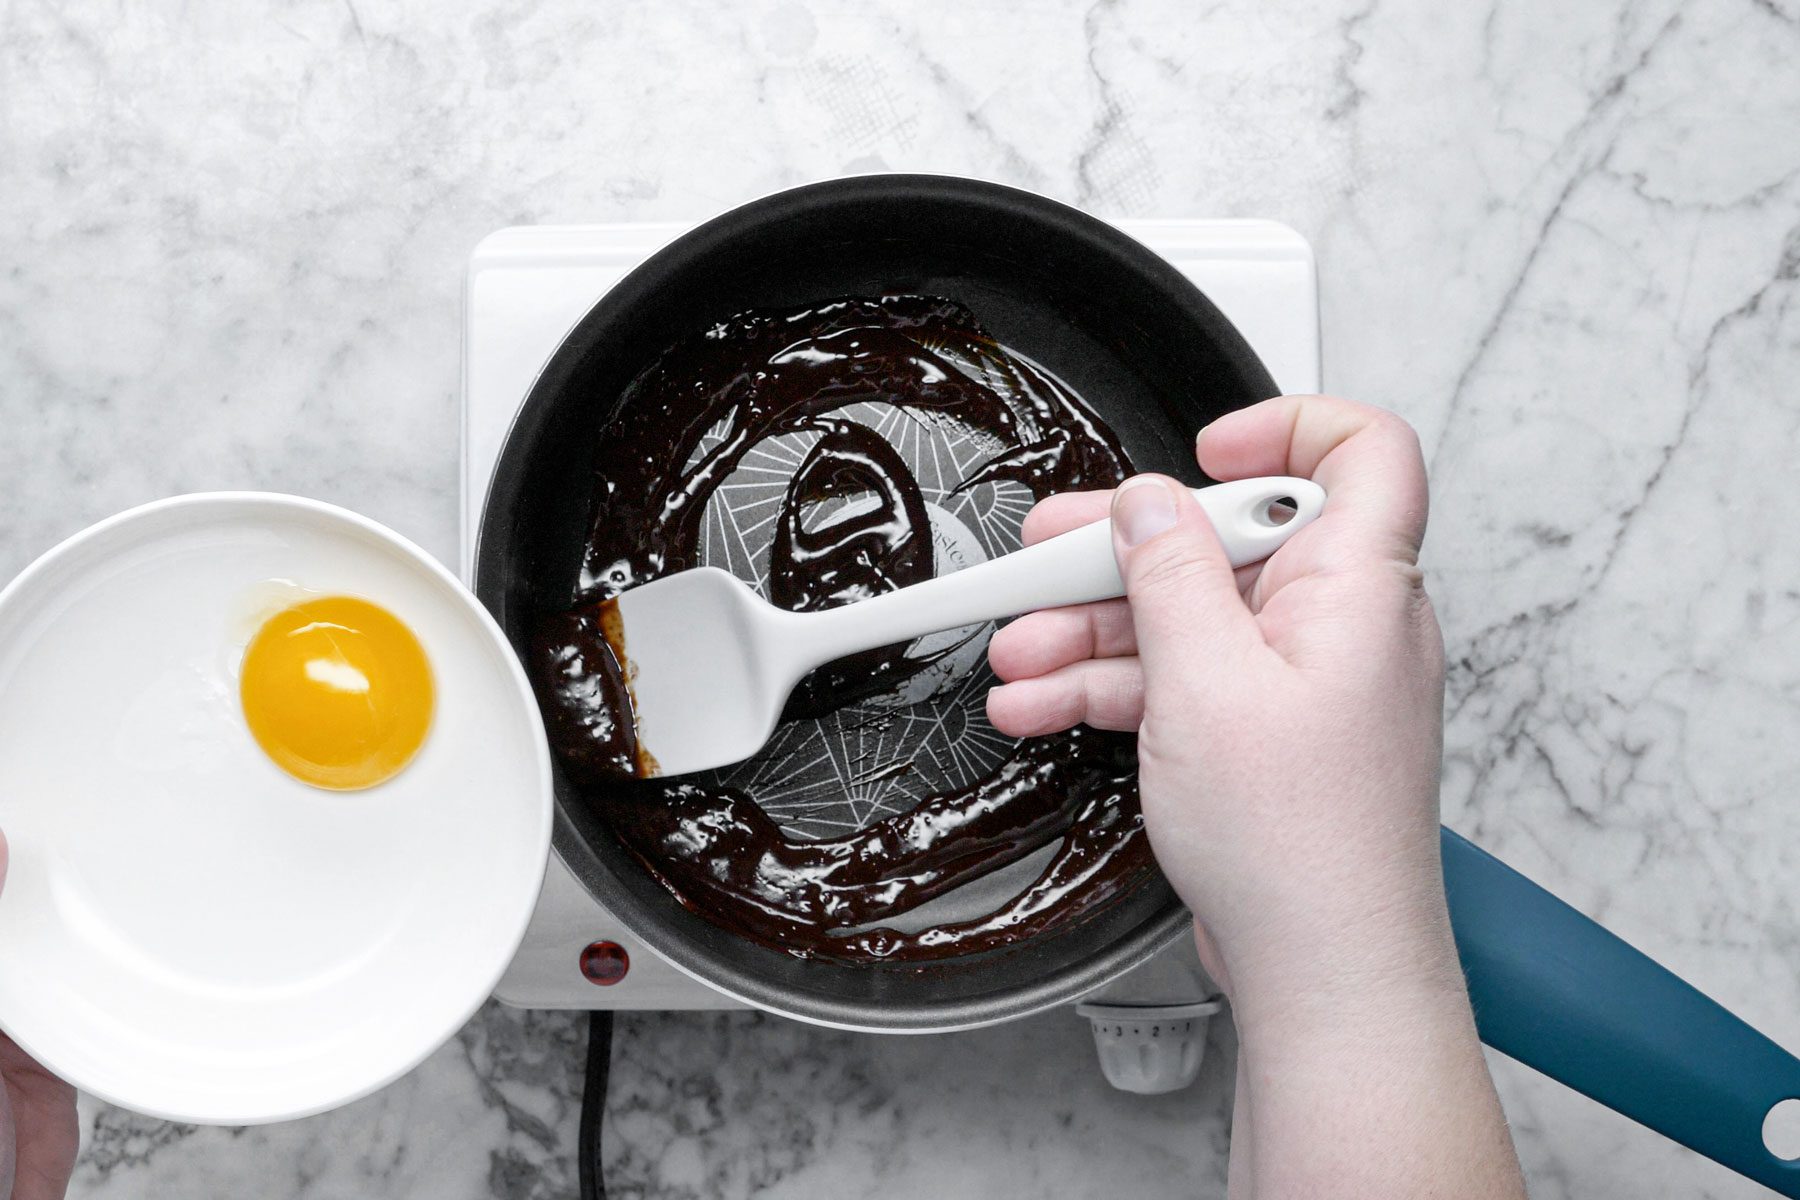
187 931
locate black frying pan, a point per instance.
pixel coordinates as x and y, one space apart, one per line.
1124 328
1157 361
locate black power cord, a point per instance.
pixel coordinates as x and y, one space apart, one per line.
593 1106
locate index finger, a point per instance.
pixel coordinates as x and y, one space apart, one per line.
1366 458
1058 514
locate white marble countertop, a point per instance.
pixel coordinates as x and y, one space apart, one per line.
1564 239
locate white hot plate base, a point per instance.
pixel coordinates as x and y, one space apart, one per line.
527 287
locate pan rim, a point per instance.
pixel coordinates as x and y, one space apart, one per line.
1061 984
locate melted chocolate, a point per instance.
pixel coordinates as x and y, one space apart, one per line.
874 550
584 689
852 525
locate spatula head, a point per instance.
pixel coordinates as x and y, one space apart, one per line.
697 648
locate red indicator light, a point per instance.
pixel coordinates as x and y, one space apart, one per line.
605 963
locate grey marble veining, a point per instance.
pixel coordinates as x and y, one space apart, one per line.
1564 239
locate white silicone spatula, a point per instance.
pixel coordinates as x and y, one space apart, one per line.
711 664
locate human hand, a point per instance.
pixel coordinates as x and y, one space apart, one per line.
1288 719
38 1130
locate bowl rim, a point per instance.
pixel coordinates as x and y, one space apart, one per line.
523 899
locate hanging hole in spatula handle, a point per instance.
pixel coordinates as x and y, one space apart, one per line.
1254 517
1278 512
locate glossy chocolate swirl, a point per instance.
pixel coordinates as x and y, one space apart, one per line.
679 432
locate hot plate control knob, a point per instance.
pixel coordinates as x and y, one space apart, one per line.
1150 1049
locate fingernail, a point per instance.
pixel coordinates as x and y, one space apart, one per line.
1200 443
1142 508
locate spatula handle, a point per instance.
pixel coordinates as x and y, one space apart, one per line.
1074 568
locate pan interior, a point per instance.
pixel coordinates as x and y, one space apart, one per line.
883 755
1124 330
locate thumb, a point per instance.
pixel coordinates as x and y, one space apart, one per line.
1185 605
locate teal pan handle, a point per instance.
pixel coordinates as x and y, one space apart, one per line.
1562 995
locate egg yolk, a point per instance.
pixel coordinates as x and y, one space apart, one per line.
337 691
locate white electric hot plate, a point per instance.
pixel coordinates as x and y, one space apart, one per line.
527 286
189 932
